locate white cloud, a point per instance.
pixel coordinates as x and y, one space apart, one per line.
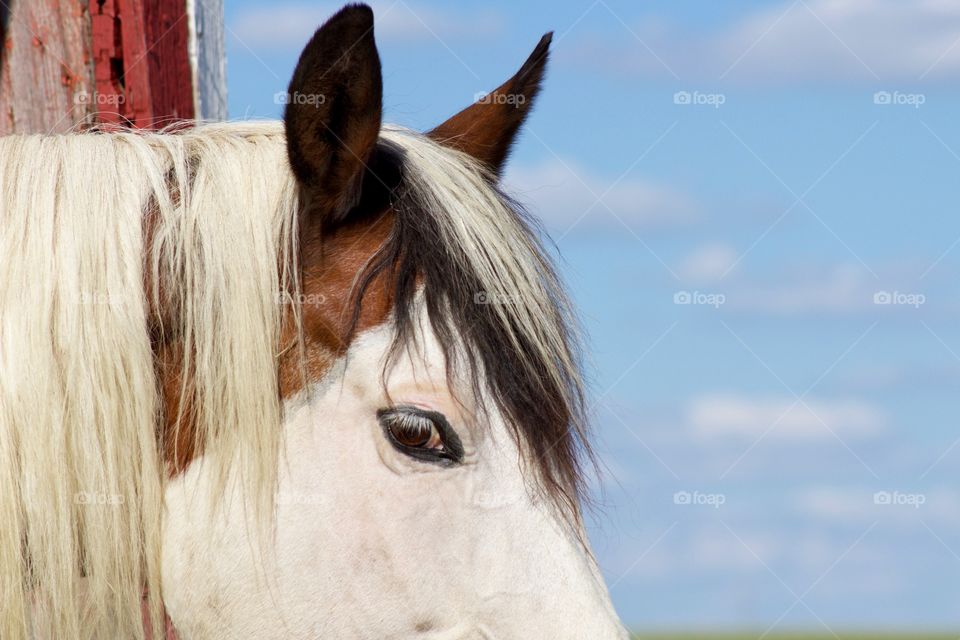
897 505
845 288
891 38
289 25
839 289
708 263
565 195
910 377
716 548
730 415
816 40
833 504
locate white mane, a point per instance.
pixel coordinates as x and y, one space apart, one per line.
80 477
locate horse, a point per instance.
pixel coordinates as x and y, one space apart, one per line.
309 379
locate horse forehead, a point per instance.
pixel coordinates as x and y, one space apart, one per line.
333 263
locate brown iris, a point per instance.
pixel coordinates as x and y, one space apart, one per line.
421 433
415 431
412 433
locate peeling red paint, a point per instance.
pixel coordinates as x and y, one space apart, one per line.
141 62
69 63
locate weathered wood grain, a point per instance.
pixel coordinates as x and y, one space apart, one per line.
209 59
141 63
46 70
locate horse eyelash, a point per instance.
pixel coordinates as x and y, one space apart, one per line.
452 452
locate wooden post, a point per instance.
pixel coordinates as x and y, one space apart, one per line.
45 70
139 63
210 65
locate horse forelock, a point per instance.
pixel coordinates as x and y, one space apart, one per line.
432 229
494 301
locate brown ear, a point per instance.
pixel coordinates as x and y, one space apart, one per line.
487 128
333 112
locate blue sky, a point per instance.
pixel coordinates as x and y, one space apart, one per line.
788 167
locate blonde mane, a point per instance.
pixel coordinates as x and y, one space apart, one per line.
99 231
80 473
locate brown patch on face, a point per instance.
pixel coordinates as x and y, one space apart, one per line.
331 264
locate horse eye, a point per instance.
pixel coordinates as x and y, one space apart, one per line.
418 433
414 431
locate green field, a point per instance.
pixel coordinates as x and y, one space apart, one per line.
797 636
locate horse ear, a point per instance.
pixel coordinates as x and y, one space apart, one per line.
487 128
333 112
